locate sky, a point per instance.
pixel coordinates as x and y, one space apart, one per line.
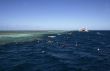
54 14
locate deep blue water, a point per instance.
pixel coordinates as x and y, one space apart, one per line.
71 51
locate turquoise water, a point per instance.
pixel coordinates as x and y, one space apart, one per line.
22 36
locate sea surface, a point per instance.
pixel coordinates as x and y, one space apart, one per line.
68 51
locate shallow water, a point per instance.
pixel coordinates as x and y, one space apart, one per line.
59 53
22 36
15 35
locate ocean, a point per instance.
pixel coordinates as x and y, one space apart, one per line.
67 51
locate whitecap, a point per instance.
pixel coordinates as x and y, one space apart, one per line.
51 36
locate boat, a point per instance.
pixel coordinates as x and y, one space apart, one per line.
83 30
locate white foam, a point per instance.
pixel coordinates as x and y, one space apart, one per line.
43 51
51 36
98 33
98 49
76 44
